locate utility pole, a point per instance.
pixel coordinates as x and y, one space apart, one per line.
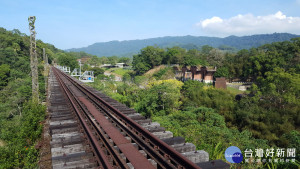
33 60
79 67
44 55
45 58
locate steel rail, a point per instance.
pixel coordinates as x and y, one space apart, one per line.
100 156
130 152
162 152
135 157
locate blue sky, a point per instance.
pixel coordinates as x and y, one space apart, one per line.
79 23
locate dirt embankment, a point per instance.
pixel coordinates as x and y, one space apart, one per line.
154 70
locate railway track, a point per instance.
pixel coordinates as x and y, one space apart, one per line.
90 130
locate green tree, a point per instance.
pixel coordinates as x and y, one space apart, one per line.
207 130
222 72
97 71
85 67
4 75
161 97
125 60
220 100
141 68
190 86
65 59
216 57
113 60
95 61
126 77
174 55
148 58
206 49
103 60
153 55
293 140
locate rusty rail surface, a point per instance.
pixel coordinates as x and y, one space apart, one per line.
104 125
101 158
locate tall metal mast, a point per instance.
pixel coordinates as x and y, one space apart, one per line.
33 60
45 68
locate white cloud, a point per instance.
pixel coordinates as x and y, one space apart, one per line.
211 21
249 24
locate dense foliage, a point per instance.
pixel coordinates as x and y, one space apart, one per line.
20 119
150 56
19 135
98 61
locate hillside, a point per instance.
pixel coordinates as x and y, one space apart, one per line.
127 48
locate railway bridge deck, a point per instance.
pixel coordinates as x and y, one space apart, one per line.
90 130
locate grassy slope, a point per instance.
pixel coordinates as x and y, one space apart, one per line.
236 91
118 71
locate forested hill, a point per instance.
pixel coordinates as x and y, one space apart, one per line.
127 48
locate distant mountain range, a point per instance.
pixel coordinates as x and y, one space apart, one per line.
130 47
